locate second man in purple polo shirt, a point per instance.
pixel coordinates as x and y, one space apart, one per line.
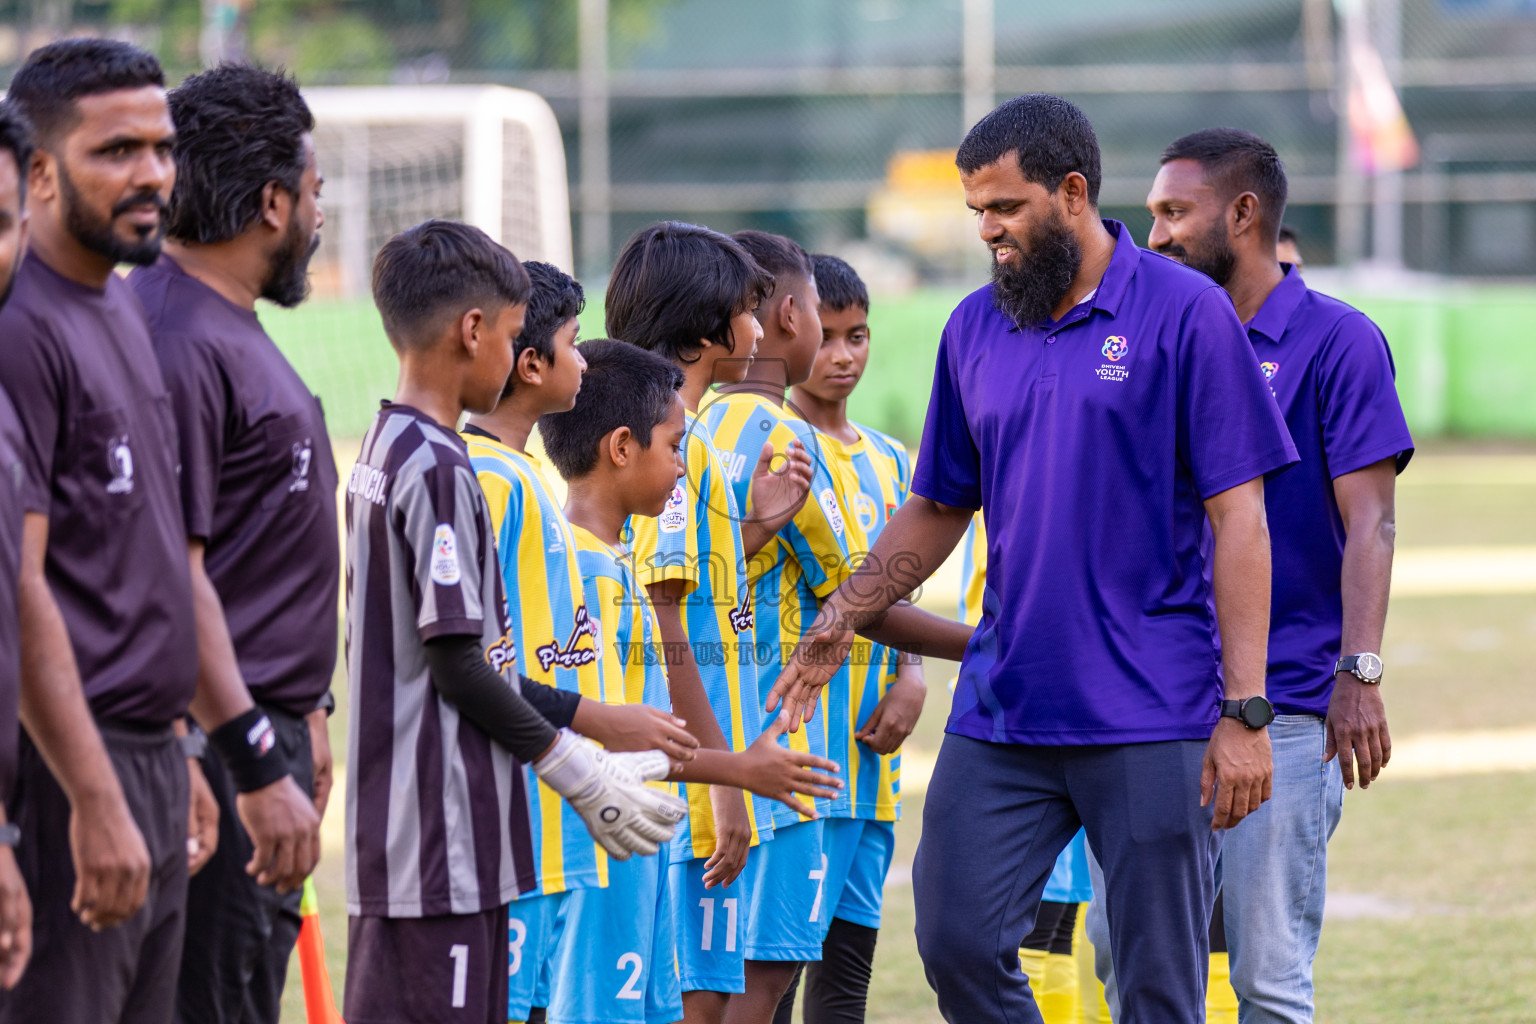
1217 205
1101 405
258 486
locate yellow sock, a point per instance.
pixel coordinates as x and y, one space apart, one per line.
1090 1001
1058 995
1220 1000
1032 963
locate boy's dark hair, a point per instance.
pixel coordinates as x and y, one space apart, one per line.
1049 137
782 257
624 386
1232 162
440 269
554 298
1288 234
838 284
676 283
46 87
237 128
16 139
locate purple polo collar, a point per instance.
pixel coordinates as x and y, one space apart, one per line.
1275 315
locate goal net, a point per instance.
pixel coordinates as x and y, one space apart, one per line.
392 157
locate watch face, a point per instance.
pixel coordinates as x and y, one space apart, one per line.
1369 666
1257 712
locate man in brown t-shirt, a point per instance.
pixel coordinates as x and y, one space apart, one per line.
107 646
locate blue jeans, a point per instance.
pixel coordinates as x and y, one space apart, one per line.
995 819
1273 873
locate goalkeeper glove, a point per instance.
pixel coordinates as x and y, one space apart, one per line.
609 791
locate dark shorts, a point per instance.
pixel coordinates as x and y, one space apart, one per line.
124 975
427 970
240 934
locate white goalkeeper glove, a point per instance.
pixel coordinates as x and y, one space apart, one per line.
609 791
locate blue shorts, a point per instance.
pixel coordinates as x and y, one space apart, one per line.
531 931
788 887
711 926
858 856
615 959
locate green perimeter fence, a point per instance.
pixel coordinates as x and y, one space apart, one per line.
1466 359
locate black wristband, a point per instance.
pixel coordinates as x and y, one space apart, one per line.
248 745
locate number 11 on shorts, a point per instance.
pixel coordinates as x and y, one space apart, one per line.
707 940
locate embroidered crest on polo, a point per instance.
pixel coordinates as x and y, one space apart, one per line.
303 455
120 462
445 556
1270 369
1116 348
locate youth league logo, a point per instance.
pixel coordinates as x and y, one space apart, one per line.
1270 369
829 506
675 516
445 556
303 455
1115 349
120 462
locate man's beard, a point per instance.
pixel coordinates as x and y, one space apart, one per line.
96 234
1028 289
1214 258
287 282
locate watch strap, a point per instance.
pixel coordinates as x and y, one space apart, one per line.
10 834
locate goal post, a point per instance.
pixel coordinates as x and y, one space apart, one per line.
393 156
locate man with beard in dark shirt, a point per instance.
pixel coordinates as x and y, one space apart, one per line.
258 486
15 907
107 645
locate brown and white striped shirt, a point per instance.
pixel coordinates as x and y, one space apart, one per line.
437 814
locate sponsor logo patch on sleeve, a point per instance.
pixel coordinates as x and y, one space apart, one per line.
445 556
675 516
828 499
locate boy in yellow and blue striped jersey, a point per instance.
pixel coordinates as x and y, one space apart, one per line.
619 451
886 687
552 627
688 294
808 558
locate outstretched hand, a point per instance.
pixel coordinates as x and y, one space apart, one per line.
779 493
812 664
780 773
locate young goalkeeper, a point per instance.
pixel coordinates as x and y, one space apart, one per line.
553 628
438 838
619 451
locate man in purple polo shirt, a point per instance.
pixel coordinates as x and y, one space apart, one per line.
258 486
1101 405
1217 205
15 906
109 655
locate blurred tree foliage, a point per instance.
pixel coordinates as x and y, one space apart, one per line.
356 40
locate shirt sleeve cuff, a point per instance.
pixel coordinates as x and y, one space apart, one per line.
1272 461
933 490
450 627
651 575
1353 461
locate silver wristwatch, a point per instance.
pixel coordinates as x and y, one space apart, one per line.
1365 667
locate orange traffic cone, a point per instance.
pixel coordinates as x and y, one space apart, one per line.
319 999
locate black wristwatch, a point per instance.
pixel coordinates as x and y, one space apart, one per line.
10 834
1365 667
1253 712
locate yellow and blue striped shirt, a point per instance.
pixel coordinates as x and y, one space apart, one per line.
973 571
803 564
629 644
697 540
552 634
879 465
